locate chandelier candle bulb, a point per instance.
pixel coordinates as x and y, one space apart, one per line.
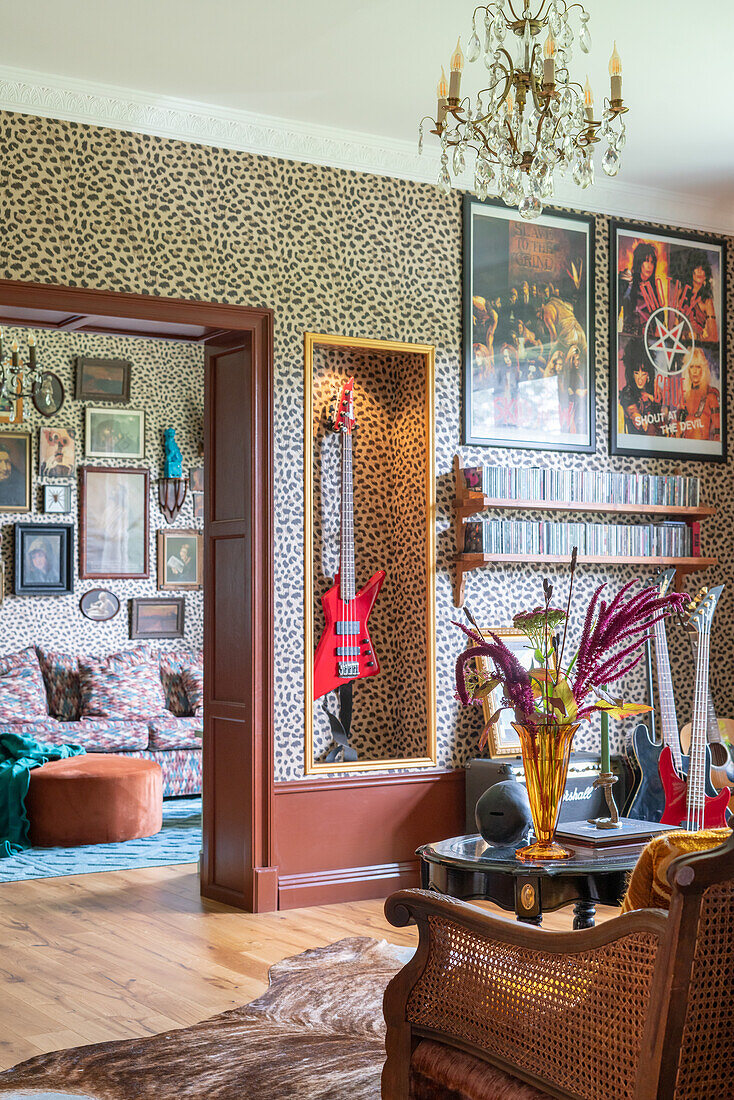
457 65
549 60
14 353
442 91
589 101
615 72
32 350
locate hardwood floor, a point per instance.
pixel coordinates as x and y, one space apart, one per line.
131 953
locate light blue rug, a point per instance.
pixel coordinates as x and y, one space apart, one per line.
179 841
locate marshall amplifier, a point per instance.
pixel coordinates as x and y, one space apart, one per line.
580 799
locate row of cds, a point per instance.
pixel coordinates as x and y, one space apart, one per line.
507 536
581 486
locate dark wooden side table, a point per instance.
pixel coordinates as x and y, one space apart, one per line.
466 867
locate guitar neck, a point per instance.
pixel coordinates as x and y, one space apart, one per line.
696 795
668 719
713 732
347 586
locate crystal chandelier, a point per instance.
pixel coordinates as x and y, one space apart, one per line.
531 120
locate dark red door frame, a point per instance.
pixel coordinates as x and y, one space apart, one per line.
246 837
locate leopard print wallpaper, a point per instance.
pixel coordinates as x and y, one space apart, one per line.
329 251
167 381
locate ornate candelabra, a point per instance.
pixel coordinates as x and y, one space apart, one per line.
17 379
531 119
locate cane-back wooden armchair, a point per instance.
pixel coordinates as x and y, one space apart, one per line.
639 1008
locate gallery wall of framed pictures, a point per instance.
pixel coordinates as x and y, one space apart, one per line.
78 494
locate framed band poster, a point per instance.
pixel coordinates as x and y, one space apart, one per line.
528 329
668 385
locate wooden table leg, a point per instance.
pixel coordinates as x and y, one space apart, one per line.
584 913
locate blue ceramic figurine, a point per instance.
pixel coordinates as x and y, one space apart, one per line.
173 466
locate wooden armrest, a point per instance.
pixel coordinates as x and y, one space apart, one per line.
562 1010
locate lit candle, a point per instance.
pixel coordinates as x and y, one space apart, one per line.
14 353
615 72
457 65
589 101
549 62
442 91
605 761
32 350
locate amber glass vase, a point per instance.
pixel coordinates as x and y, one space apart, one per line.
546 750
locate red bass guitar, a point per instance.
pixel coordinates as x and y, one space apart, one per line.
693 802
345 651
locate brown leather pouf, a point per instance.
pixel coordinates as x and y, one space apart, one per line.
94 799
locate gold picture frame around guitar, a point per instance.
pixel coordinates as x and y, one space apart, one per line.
328 361
502 740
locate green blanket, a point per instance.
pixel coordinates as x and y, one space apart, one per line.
17 756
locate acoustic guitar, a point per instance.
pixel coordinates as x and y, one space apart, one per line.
647 801
345 652
691 801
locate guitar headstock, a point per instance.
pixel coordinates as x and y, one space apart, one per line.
664 581
342 418
702 607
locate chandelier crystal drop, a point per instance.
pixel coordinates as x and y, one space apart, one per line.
531 119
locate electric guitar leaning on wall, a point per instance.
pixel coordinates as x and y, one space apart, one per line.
345 652
647 801
722 766
692 802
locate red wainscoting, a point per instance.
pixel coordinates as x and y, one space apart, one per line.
351 839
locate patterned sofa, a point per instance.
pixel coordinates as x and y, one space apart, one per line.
133 703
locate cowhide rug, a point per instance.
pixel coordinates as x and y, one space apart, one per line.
316 1034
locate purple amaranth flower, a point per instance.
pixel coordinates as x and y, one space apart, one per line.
508 670
627 619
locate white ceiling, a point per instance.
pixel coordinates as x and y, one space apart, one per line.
371 68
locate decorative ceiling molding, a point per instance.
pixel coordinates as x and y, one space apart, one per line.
83 101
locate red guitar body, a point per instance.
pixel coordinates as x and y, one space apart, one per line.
676 795
346 641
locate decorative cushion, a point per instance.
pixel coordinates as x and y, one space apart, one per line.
175 733
648 887
438 1071
22 693
15 660
193 682
116 688
172 663
61 677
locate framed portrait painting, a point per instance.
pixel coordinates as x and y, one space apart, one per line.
15 472
179 558
115 433
502 739
114 508
157 618
44 555
668 384
528 329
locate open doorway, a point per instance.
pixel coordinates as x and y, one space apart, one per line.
204 370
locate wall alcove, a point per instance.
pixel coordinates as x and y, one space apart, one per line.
394 501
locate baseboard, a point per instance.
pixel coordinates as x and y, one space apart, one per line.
349 883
